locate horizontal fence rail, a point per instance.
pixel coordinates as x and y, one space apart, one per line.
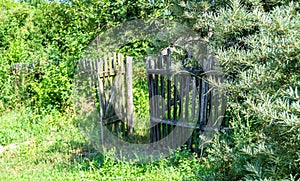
111 77
181 102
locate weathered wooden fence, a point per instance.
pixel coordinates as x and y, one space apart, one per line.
182 99
111 77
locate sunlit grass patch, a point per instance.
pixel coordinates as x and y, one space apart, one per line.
51 147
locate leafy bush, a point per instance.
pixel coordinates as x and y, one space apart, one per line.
141 97
49 37
257 43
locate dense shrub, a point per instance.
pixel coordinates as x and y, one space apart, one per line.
257 43
49 37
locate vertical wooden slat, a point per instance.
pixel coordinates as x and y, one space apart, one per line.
115 76
111 85
187 108
87 72
186 95
108 86
198 111
209 102
79 67
83 65
121 61
118 89
100 90
207 98
89 77
181 104
193 112
162 93
223 107
169 93
100 84
194 98
103 78
149 81
175 110
152 102
129 95
123 66
153 85
180 83
156 105
210 108
122 83
216 105
94 72
169 84
202 97
115 62
175 97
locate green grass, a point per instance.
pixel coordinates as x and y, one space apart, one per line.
50 146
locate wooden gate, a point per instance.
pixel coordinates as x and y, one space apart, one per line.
182 99
111 78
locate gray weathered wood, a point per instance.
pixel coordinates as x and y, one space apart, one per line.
179 124
107 74
100 100
129 95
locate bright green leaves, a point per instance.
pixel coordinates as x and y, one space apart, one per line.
53 35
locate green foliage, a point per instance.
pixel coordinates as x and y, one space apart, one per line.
50 37
141 96
257 43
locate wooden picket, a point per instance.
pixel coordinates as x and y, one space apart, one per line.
112 78
181 99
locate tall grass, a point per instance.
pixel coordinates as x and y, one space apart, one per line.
50 146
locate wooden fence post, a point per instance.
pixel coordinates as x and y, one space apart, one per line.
129 96
100 92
